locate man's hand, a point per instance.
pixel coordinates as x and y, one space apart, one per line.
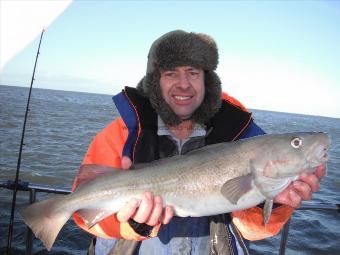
148 210
301 189
126 163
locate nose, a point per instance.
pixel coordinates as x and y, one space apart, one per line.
183 81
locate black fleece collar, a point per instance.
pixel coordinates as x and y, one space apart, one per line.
226 125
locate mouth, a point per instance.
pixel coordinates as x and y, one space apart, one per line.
324 157
182 98
320 156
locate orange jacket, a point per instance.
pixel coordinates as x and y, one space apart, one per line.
107 149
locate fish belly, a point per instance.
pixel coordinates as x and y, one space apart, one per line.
211 204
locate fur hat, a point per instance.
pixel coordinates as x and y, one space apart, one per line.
180 48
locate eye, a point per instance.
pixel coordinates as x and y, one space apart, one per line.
296 142
193 74
170 75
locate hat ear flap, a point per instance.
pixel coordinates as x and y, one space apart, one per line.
212 100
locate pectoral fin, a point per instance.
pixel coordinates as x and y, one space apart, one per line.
91 217
235 188
267 210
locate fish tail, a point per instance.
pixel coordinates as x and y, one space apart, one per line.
46 219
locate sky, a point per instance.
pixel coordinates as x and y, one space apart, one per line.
273 55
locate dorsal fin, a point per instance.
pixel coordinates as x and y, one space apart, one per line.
89 172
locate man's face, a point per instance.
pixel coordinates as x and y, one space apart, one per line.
183 89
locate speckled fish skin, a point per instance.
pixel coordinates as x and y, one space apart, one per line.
215 179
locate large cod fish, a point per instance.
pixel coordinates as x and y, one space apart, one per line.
212 180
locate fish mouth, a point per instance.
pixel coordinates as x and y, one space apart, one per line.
319 153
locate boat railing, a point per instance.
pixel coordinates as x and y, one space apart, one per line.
33 188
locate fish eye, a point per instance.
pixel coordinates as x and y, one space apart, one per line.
296 142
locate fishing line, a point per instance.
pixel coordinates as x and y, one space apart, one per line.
10 228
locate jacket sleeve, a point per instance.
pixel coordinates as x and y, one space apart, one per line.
106 149
250 221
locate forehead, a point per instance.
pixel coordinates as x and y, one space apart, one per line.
183 68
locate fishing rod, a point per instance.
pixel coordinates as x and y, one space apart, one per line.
15 190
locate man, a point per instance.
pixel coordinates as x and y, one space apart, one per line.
178 107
